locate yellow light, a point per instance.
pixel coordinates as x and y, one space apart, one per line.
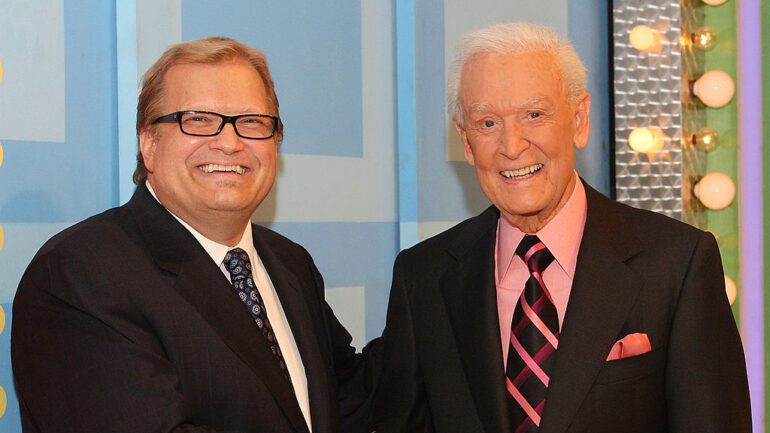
643 38
645 140
714 2
3 401
704 38
706 139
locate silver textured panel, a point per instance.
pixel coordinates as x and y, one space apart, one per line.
649 89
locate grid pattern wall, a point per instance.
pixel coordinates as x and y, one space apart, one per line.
648 88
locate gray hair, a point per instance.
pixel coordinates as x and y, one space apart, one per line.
514 38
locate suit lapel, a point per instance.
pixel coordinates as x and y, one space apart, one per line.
470 296
303 327
603 291
201 283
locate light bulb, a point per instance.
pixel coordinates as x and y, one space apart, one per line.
715 88
713 2
731 289
706 139
643 38
715 190
704 38
645 140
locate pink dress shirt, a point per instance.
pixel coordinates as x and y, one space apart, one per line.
562 236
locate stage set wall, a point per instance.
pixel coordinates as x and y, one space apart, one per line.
369 165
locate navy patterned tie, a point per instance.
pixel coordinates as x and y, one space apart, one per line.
533 342
238 265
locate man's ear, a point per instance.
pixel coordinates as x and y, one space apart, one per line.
148 142
467 151
582 120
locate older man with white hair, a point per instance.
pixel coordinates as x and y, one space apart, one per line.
556 310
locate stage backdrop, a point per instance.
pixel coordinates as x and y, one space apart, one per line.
369 164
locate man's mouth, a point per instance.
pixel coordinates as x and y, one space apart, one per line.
522 173
211 168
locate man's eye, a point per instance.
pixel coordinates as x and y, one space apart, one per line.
253 121
197 118
534 115
489 123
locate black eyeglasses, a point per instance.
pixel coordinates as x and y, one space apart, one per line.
207 123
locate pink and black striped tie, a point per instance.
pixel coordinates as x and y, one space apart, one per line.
534 338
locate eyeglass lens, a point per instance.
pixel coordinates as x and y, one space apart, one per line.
198 123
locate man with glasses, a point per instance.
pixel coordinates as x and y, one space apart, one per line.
173 313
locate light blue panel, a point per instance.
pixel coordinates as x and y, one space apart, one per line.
408 234
32 55
53 182
314 52
406 115
446 190
589 32
127 86
352 254
11 421
21 243
349 305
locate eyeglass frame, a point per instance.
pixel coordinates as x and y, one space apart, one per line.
177 117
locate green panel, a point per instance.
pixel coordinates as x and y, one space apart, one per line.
725 120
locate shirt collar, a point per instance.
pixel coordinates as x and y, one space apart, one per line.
561 235
214 249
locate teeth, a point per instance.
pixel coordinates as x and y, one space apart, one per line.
522 172
210 168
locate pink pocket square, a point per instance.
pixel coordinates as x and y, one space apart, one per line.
630 345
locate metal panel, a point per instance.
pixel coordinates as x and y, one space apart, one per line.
652 90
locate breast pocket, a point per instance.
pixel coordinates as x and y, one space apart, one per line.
632 367
627 396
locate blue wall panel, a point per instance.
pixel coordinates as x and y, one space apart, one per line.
314 52
352 254
55 182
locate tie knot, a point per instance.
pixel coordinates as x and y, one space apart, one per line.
237 264
534 253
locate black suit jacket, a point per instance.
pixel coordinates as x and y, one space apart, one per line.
637 271
123 323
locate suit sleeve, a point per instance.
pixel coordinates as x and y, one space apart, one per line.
401 402
706 385
83 365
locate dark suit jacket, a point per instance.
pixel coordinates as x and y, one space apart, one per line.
637 271
123 323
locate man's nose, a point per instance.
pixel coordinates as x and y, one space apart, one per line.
227 140
512 140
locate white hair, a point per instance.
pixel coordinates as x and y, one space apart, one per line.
514 38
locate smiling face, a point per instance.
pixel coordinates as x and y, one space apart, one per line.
210 182
519 130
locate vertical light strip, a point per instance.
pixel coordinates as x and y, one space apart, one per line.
750 198
406 123
125 26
